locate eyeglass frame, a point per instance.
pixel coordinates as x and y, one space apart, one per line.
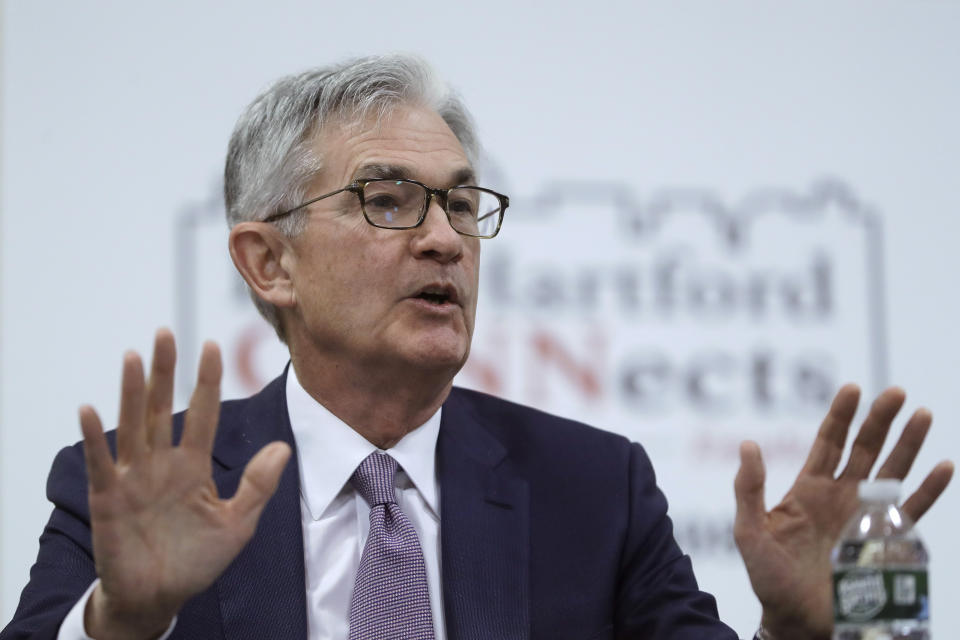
357 186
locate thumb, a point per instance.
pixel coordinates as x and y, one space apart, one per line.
748 487
260 480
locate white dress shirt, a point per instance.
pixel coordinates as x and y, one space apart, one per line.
335 517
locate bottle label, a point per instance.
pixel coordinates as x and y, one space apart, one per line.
862 594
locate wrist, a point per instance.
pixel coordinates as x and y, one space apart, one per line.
104 620
777 628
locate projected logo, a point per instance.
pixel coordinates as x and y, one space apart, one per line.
681 320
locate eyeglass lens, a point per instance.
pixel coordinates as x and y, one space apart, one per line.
396 203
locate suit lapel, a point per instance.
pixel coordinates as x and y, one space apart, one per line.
263 592
484 529
484 534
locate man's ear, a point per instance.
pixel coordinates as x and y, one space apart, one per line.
259 251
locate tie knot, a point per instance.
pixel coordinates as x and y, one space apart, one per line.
374 479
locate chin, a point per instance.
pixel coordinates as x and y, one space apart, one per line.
436 354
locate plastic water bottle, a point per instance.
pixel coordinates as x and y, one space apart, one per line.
880 571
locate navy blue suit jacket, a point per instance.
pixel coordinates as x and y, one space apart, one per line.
549 529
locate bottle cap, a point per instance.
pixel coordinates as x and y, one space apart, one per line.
880 490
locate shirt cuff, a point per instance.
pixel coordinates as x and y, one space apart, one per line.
73 629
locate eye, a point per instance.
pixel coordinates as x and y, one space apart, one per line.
383 201
462 206
392 196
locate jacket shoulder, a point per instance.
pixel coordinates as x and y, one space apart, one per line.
526 431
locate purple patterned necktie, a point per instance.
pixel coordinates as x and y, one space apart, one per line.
390 598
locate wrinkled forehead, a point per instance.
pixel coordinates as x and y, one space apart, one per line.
376 171
409 141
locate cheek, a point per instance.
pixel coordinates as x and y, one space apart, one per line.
335 253
361 277
472 254
323 275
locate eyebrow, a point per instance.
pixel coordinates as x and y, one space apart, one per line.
462 176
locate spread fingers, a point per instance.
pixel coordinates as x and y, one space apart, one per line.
866 447
931 488
159 409
100 467
131 430
201 419
901 458
832 437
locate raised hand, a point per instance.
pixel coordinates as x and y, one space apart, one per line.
787 550
161 534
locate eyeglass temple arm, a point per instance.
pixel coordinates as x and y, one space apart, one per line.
354 187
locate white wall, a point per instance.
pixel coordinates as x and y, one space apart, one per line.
115 119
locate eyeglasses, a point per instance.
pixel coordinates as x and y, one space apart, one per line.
402 204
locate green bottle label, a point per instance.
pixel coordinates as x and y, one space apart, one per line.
862 594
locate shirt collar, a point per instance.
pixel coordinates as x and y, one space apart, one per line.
329 451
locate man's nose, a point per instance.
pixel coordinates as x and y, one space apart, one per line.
435 238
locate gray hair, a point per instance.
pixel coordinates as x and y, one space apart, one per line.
271 159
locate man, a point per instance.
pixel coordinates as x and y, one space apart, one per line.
357 223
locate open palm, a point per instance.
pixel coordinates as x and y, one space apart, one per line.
161 533
787 550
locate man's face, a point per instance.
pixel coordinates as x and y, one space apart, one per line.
382 297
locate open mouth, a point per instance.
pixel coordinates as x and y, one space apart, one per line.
437 294
434 298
